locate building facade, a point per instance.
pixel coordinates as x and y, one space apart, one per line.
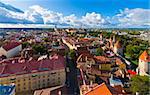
40 74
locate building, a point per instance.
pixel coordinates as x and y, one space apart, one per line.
7 89
95 89
85 60
118 48
115 81
11 49
31 74
58 90
144 63
102 66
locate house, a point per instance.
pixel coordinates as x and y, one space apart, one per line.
85 60
103 64
118 90
115 81
95 89
144 64
10 49
58 90
7 89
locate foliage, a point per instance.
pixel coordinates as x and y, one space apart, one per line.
25 44
140 84
99 51
46 39
72 54
39 49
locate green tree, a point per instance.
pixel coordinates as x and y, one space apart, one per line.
99 51
39 49
25 44
140 84
72 54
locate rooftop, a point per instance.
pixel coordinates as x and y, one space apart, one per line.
102 59
21 66
58 90
145 56
11 45
101 89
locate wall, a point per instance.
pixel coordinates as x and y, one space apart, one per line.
27 82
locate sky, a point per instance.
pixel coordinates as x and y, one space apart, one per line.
110 12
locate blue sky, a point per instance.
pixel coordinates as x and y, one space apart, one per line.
106 8
81 7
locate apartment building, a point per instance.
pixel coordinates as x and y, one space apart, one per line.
28 75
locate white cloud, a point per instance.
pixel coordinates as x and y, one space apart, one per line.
93 19
133 17
39 15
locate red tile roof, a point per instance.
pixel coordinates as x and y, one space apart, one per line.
99 90
145 57
11 45
14 66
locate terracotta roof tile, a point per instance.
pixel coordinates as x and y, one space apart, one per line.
145 57
99 90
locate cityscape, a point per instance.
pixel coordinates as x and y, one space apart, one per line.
74 47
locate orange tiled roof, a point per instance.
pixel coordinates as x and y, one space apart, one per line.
144 56
99 90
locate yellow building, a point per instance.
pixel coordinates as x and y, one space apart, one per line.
31 75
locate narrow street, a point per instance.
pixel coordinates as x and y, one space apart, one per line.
71 77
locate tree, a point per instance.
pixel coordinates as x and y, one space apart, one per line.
39 49
72 54
140 84
25 44
99 51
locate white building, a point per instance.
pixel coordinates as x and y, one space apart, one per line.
10 49
144 64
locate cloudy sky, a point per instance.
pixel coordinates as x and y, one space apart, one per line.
89 13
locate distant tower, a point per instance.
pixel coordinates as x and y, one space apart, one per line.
114 39
118 49
111 43
144 64
101 36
